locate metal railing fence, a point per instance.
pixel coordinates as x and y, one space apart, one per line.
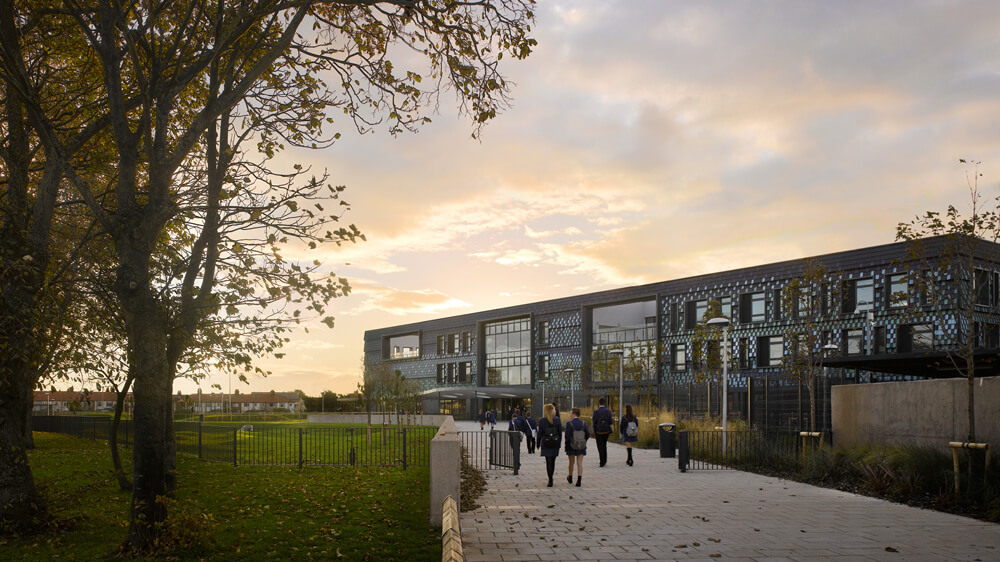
493 449
718 450
268 445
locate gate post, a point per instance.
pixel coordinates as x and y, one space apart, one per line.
683 451
517 453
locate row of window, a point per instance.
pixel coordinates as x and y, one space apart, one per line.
855 296
771 349
454 343
455 373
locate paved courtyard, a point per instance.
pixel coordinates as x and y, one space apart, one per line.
652 511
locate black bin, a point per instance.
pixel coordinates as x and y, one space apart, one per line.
668 440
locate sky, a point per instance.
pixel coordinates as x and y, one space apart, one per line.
652 140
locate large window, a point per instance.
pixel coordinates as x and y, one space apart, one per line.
916 337
899 291
753 307
508 352
453 407
543 366
695 313
860 295
770 350
726 306
403 347
623 323
678 358
465 374
543 332
466 342
854 341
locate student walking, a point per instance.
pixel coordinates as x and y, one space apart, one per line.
491 418
577 434
549 439
530 427
603 421
516 427
629 428
482 418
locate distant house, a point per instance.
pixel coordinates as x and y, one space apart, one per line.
202 403
65 401
62 401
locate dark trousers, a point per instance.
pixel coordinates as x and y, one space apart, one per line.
531 443
602 447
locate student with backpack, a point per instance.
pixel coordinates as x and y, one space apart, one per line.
629 428
516 427
549 439
491 418
577 434
482 418
602 430
530 427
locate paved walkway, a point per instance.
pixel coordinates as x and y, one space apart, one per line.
652 511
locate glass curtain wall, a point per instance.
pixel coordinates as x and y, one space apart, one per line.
508 352
630 327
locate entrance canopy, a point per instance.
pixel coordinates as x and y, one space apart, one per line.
483 392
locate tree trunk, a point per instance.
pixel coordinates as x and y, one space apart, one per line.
147 335
116 461
22 509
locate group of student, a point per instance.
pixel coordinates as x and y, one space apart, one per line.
551 435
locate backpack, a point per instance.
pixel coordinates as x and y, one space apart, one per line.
550 439
602 424
578 441
632 429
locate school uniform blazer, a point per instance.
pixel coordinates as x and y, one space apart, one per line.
544 424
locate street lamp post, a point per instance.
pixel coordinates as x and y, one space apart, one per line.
621 377
572 390
542 383
48 398
827 350
723 322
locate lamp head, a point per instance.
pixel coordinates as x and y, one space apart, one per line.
719 321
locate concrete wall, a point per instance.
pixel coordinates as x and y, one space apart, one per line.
446 468
924 412
426 419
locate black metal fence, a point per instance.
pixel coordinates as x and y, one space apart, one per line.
270 445
493 449
720 450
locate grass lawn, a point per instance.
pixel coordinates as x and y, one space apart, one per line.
226 513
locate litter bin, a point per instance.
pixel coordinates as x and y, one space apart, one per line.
668 440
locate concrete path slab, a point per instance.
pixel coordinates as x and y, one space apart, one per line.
651 511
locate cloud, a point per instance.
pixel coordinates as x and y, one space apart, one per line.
374 297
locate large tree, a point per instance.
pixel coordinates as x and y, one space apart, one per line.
181 85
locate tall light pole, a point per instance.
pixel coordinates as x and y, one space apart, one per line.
621 378
48 398
572 390
723 323
542 382
828 349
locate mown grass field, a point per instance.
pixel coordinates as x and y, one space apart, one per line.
223 512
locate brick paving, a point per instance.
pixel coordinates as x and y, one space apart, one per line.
652 511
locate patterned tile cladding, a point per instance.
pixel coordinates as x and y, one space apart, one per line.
566 333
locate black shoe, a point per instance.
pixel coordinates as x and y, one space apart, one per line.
569 478
602 464
629 462
578 479
550 482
